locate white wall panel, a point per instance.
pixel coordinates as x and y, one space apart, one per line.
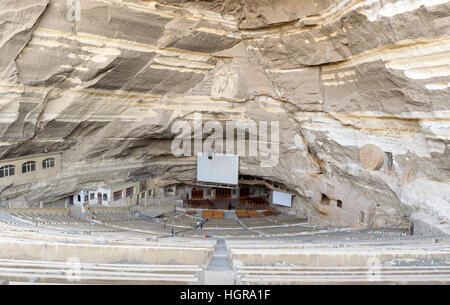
280 198
219 169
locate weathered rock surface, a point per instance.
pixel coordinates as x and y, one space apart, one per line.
336 75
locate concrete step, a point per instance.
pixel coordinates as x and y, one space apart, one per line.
101 279
219 270
355 280
11 248
302 269
103 267
339 257
42 272
345 275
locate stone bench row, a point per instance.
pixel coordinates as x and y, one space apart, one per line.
47 218
338 257
342 275
380 244
343 280
57 251
39 211
121 238
31 272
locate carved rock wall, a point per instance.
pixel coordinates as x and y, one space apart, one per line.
336 75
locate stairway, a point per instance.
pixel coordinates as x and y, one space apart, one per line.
219 271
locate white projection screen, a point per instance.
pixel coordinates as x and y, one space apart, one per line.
218 168
280 198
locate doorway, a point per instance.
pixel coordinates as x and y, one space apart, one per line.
223 193
244 192
197 194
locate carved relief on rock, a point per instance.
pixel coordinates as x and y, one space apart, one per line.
410 173
225 82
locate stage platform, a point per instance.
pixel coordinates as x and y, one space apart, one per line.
228 204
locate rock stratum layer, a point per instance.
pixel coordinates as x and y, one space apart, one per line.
106 88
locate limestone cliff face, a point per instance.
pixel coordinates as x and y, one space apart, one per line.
106 88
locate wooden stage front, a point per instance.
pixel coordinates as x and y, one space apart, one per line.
243 203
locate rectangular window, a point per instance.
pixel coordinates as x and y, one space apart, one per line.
142 186
86 198
92 196
117 195
339 203
130 191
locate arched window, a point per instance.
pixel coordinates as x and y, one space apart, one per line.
29 166
47 163
7 170
105 197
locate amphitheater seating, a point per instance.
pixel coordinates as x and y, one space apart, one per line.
213 214
112 214
241 213
218 214
377 261
208 214
247 214
26 272
274 275
257 222
44 216
252 214
242 202
200 203
269 213
251 202
223 224
275 249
